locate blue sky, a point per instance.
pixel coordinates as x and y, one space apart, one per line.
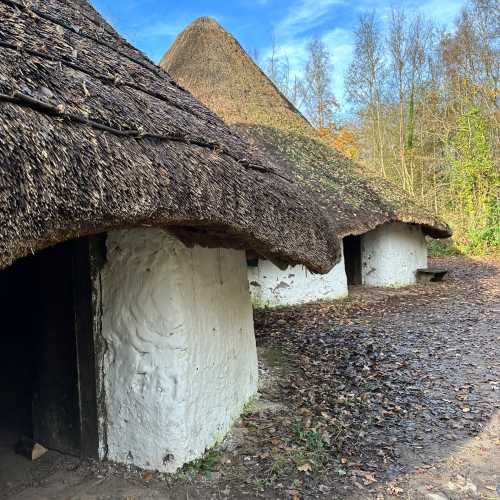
152 25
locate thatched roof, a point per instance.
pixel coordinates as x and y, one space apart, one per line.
211 64
94 137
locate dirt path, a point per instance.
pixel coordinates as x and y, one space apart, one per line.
388 394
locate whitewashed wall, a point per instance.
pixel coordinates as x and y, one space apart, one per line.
391 254
272 287
178 360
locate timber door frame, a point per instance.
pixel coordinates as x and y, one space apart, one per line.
87 260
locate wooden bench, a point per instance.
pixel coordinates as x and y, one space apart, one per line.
428 274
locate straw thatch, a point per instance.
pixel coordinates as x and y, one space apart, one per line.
94 137
211 64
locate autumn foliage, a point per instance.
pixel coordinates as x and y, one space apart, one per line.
342 139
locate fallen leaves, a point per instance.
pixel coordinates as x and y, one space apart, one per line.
294 494
395 490
367 477
147 476
364 379
305 468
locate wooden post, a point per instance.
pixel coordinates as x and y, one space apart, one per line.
89 255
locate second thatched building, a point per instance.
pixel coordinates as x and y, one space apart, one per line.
383 229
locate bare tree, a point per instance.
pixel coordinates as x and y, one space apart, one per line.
398 51
255 55
296 92
429 120
365 79
408 49
318 97
277 68
273 63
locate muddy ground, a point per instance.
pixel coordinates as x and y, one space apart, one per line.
389 394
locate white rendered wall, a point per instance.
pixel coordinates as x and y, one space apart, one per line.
272 287
391 254
179 358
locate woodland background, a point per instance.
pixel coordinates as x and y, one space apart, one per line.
423 112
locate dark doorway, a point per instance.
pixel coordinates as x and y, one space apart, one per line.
47 375
352 259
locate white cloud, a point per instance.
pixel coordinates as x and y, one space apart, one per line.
304 15
442 12
307 18
292 32
157 29
340 45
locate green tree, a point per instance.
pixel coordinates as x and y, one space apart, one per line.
475 183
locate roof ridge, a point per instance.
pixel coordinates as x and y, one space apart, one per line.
206 20
185 38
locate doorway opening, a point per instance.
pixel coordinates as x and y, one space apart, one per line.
352 259
47 375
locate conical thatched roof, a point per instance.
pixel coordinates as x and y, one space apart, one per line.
94 136
211 64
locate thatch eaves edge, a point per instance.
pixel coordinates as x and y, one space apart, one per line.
63 198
